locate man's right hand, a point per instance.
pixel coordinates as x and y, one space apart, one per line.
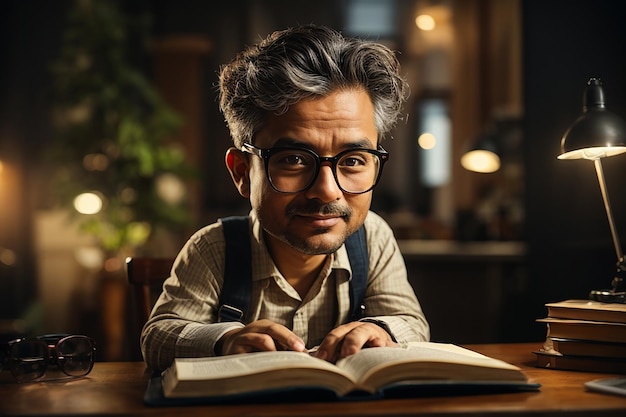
259 336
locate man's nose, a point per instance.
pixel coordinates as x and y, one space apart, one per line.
325 187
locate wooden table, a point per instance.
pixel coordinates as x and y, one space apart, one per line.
117 388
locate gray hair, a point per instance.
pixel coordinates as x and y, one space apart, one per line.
302 62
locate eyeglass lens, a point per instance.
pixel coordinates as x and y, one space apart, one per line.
29 358
293 170
75 355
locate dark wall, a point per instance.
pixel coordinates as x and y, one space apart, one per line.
566 43
29 37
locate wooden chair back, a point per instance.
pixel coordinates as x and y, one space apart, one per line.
145 276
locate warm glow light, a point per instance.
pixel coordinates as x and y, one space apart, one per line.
7 256
138 232
89 257
427 141
481 161
170 188
88 203
113 264
96 162
425 22
128 195
1 167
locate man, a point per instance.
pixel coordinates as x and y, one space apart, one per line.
307 109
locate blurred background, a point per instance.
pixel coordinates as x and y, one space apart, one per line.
112 145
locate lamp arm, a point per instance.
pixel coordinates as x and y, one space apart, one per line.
609 213
618 279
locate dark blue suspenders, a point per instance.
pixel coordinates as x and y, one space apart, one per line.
235 294
356 245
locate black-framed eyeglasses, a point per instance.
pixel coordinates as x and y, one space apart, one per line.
28 358
293 170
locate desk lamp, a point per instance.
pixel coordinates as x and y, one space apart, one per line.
595 135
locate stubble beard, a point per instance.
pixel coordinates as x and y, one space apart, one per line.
318 243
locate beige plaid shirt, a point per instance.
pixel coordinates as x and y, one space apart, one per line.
183 320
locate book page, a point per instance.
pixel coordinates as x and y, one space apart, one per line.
448 348
371 360
251 373
246 364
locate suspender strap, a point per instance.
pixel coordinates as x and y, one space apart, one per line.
356 246
235 294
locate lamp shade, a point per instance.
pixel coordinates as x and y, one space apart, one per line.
483 156
597 133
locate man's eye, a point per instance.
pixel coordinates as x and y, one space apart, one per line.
292 160
355 160
352 162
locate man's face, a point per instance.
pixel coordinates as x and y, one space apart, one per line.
317 220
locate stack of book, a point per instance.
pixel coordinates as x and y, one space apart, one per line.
584 335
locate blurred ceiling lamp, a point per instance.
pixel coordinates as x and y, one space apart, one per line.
597 134
425 22
88 203
427 141
483 155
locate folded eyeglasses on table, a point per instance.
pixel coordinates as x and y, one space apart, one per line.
29 358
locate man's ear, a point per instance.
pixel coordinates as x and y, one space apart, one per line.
238 166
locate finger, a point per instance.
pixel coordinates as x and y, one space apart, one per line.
284 338
262 335
365 335
329 348
252 342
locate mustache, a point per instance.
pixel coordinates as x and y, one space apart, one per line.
312 209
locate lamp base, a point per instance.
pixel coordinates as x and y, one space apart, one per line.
608 296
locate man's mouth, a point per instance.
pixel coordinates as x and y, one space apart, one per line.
321 221
323 212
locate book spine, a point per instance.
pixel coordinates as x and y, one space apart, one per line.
580 363
575 347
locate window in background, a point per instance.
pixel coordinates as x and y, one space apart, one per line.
370 18
434 142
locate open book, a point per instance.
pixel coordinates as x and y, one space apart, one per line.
369 373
